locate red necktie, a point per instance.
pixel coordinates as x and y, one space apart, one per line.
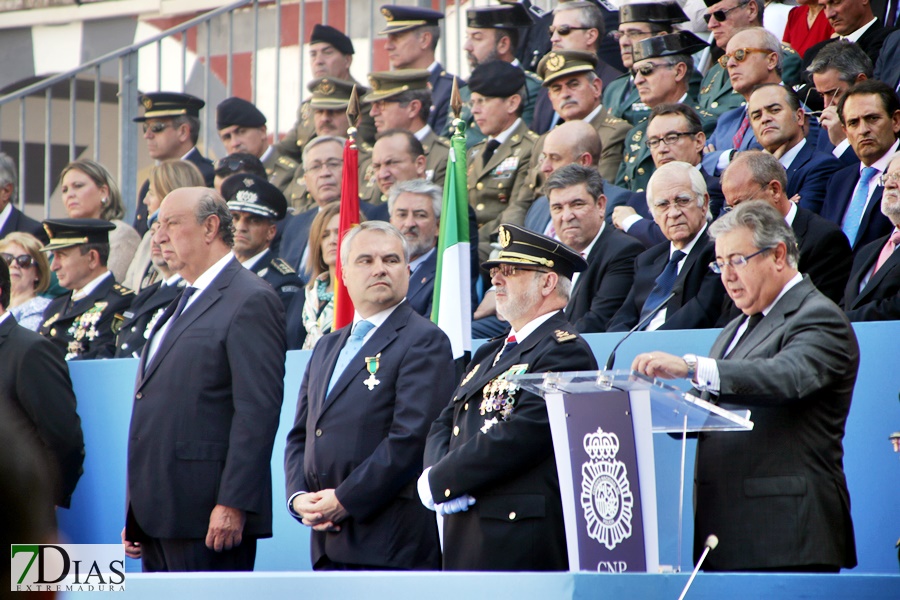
739 136
887 250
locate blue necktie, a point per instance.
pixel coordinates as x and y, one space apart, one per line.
854 214
664 284
186 294
350 349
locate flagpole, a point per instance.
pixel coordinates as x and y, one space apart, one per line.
349 214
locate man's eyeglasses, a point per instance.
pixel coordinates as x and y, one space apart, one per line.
155 128
742 54
886 178
565 30
681 202
735 262
721 15
648 69
510 270
333 164
668 139
23 260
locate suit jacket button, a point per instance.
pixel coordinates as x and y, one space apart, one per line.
447 493
714 104
53 332
139 395
456 430
466 406
318 433
512 516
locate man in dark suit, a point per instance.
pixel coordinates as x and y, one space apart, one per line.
887 67
206 404
412 37
369 395
776 497
490 465
836 68
873 290
37 400
171 124
854 21
870 114
83 322
680 204
577 208
11 218
415 208
824 250
779 122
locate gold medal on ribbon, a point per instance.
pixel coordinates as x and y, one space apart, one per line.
372 363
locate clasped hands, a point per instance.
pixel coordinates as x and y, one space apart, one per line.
320 510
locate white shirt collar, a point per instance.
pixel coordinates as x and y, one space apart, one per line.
90 287
414 264
792 214
172 281
186 154
794 281
211 273
529 327
504 135
593 113
854 37
882 163
423 133
251 262
4 316
788 157
433 66
690 245
587 251
377 319
265 155
4 214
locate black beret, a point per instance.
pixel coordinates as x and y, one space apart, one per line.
329 35
237 111
497 79
251 194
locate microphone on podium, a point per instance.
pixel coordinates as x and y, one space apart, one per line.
711 542
643 323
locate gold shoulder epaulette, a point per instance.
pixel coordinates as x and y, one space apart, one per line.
563 336
282 267
288 162
122 290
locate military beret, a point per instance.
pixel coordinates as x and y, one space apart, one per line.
520 246
507 16
252 194
329 35
65 233
386 84
158 105
680 42
662 13
406 18
497 79
237 111
560 63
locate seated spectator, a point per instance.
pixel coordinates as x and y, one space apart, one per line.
89 191
318 310
29 273
163 178
11 218
806 26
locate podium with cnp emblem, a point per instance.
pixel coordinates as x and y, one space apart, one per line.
602 424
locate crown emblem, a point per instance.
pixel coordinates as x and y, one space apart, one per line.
326 88
148 102
505 237
387 14
555 62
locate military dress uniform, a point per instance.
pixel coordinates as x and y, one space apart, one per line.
473 133
280 275
493 443
140 318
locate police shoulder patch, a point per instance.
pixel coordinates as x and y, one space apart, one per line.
122 290
562 336
282 267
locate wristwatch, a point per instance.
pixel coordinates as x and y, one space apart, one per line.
691 361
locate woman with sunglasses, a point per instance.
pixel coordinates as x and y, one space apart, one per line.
29 274
89 192
166 176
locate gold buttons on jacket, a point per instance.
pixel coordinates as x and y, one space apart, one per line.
318 433
456 430
512 516
447 493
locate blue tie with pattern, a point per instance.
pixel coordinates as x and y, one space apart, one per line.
664 284
854 214
350 349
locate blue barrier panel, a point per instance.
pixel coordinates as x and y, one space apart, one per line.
104 390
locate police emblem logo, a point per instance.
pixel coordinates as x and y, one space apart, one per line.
606 497
373 83
246 196
326 88
148 103
248 182
563 336
555 62
504 237
387 14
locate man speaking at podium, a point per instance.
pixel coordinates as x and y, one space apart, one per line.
775 496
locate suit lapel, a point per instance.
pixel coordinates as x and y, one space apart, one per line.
420 279
886 269
872 209
788 303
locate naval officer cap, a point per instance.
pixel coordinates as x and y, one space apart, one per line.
163 105
661 13
253 194
505 16
497 79
65 233
407 18
560 63
521 247
326 34
240 112
387 84
678 43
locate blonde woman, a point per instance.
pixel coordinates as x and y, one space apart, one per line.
29 274
90 192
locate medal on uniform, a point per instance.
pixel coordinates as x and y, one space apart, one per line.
372 363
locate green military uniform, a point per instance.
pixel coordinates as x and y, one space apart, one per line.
437 153
473 133
623 101
717 95
280 169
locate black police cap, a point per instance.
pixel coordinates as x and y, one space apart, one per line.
251 194
159 105
329 35
522 247
497 79
662 13
680 42
237 111
507 16
65 233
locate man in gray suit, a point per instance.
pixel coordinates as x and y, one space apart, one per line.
775 496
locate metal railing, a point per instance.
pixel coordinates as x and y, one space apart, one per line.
86 92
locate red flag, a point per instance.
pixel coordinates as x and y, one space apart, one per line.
343 306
